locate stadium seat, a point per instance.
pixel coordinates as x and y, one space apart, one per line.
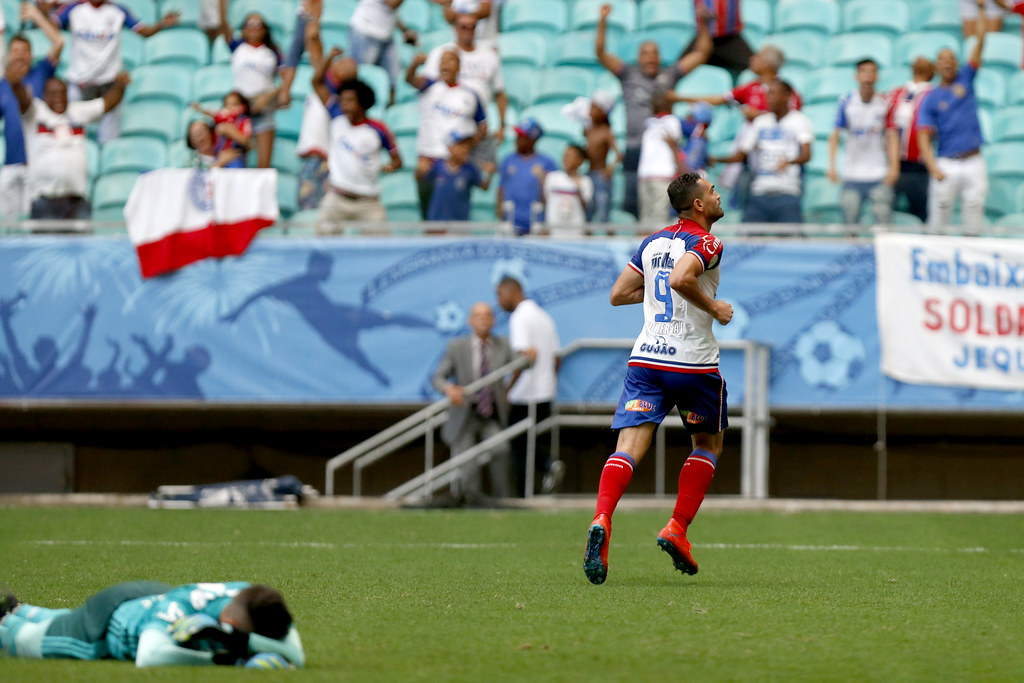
726 123
111 191
828 84
1015 88
289 121
397 188
892 78
523 47
757 16
520 81
554 124
284 158
577 49
822 116
1004 160
403 119
1002 52
904 218
377 78
220 53
178 154
133 50
152 118
796 76
186 46
406 212
705 80
550 18
188 11
987 123
669 13
990 88
337 13
136 154
1000 198
212 81
414 13
287 194
886 16
846 49
801 48
1011 220
1019 203
92 156
279 16
563 84
910 46
553 146
818 165
670 42
145 11
936 15
812 15
407 150
620 217
821 201
431 39
169 82
585 13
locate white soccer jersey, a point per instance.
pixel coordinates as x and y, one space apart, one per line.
443 107
486 28
353 160
768 141
56 145
479 69
562 208
866 160
253 67
95 40
314 135
659 147
676 335
375 19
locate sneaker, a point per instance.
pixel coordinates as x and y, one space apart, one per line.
553 479
672 540
7 604
595 560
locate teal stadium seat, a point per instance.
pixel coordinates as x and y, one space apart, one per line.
796 76
302 84
167 82
337 13
407 150
188 11
910 46
523 47
287 194
1015 88
151 118
670 42
178 154
990 88
112 191
821 201
800 47
1002 52
818 165
1004 160
1000 198
289 121
887 16
904 218
431 39
987 123
283 157
1019 203
705 80
563 84
892 78
846 49
212 82
220 53
669 13
757 16
553 146
813 15
377 78
406 212
403 119
92 156
619 217
132 154
822 116
482 203
576 48
145 11
726 123
623 19
520 81
828 84
936 15
133 50
414 13
1012 220
279 16
397 188
555 125
542 16
186 46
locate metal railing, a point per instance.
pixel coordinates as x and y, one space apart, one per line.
753 421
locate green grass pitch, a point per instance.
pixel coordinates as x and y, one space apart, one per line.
501 596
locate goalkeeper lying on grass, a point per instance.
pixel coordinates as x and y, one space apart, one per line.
156 625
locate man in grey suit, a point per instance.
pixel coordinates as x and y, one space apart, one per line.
471 419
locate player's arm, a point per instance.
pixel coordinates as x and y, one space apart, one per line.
157 648
628 288
683 280
713 100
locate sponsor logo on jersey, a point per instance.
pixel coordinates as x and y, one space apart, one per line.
659 346
694 418
638 405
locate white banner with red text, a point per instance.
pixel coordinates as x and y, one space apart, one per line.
951 310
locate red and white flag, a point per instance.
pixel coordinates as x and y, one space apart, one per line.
176 216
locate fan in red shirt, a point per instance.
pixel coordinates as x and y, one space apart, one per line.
901 138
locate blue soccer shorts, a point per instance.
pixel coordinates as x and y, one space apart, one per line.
648 395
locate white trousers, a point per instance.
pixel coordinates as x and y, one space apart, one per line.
966 179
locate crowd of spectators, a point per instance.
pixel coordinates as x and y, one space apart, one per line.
918 145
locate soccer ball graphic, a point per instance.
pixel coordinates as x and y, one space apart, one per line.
829 356
449 317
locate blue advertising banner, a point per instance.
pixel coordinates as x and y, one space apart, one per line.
346 320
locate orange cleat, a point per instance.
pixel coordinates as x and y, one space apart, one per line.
595 560
672 540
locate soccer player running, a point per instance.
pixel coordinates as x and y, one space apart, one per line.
674 363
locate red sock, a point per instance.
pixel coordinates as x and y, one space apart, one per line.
615 476
694 479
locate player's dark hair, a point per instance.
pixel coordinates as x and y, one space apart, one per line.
265 605
683 190
578 148
364 93
867 60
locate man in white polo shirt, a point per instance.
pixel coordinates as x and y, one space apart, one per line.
353 157
95 28
779 143
58 176
866 171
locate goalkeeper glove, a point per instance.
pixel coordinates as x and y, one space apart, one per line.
203 632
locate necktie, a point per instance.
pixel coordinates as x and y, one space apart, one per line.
484 398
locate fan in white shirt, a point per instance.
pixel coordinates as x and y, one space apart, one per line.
567 194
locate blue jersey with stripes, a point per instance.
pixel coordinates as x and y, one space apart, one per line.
133 617
676 335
